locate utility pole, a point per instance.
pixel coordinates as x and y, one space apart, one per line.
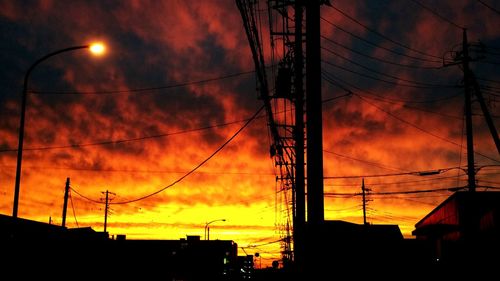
471 173
364 190
106 208
470 85
300 200
65 205
315 200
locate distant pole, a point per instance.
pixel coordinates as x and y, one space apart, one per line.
65 205
208 232
106 211
106 207
363 189
471 173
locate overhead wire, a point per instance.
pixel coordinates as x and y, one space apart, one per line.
387 75
249 173
379 59
120 141
147 89
489 6
412 173
383 80
327 194
382 35
73 207
420 128
437 14
389 100
399 182
186 174
364 161
197 166
332 79
262 244
379 46
86 197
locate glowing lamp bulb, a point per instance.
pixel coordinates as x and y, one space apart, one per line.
97 49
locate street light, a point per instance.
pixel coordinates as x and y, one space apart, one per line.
95 48
207 228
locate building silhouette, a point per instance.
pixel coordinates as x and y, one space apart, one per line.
30 247
463 229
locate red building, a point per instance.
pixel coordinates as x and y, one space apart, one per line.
463 228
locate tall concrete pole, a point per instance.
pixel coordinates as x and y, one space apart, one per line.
300 197
315 201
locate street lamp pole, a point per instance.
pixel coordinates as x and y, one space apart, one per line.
95 48
207 228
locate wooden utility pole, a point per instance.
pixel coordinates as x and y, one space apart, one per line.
471 86
364 190
106 207
65 205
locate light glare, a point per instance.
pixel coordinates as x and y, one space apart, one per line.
97 49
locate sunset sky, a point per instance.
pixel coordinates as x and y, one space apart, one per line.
176 83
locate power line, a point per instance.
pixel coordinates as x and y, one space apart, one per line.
401 182
364 161
378 46
186 174
387 75
252 173
148 89
418 109
380 79
382 35
85 197
489 7
379 59
419 128
452 189
73 207
120 141
336 98
433 86
197 166
437 14
332 80
489 62
410 200
488 80
263 244
410 173
329 80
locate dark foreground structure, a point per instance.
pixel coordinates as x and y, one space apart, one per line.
460 237
463 230
46 250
